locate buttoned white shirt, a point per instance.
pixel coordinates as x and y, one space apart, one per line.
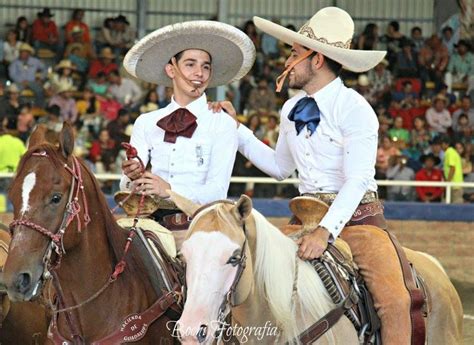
338 158
199 167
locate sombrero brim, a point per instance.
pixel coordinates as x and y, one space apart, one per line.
352 60
232 52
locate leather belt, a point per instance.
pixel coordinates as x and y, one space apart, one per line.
329 198
176 221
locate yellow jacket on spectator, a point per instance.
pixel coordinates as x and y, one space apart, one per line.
11 150
452 158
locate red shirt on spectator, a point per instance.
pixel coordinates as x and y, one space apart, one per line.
433 175
98 66
42 32
85 31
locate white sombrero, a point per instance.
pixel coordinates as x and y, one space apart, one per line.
328 32
232 51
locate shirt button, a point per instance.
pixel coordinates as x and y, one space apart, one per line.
307 136
171 176
172 164
307 153
340 222
174 149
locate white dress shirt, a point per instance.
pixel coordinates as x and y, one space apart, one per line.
338 157
199 167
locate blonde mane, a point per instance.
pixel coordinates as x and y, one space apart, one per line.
274 276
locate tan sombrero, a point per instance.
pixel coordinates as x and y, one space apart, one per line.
231 50
328 32
65 64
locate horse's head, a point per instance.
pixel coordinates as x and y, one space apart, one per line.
40 194
218 265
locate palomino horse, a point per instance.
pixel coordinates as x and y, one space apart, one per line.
273 295
64 228
22 322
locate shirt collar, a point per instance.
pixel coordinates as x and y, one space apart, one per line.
328 92
195 107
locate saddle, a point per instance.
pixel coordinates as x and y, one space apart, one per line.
339 273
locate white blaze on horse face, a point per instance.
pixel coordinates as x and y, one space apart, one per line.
28 185
209 278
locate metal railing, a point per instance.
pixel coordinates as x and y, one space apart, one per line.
269 180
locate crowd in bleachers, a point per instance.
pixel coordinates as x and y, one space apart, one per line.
422 94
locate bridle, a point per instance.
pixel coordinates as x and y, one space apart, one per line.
228 301
71 211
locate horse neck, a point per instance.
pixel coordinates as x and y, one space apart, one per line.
85 269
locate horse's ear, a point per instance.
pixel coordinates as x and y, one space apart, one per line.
243 207
185 205
66 140
38 136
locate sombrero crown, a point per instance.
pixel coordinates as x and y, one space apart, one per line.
328 32
231 50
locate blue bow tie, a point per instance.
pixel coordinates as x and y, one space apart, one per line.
305 113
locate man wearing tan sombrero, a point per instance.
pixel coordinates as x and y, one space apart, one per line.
328 133
191 150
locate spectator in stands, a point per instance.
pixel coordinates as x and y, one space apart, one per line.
399 171
11 48
63 98
466 108
99 84
88 103
419 137
103 152
150 102
23 30
392 40
247 84
45 31
270 44
28 72
433 60
118 127
369 38
11 149
168 94
271 131
437 116
381 80
385 151
25 123
437 151
464 131
262 99
77 24
417 38
123 35
251 31
407 60
451 97
364 88
465 159
448 39
255 125
429 172
406 98
10 106
468 194
76 54
124 90
452 168
461 65
398 132
86 50
104 36
61 76
104 64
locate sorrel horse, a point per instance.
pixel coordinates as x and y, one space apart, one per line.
64 228
23 322
235 259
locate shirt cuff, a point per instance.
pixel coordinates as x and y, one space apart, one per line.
334 226
125 183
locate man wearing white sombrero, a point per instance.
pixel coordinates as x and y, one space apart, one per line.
328 133
191 150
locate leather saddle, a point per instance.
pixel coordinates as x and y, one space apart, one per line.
339 273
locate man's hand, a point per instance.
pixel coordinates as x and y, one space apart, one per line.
132 169
150 184
313 245
226 106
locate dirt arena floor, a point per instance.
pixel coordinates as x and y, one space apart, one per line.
452 243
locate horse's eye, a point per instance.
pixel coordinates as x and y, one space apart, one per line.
56 198
234 260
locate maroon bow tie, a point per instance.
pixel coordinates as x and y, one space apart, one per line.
180 122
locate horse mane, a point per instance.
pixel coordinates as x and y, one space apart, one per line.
116 236
274 275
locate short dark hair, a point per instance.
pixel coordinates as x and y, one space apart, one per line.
415 28
334 66
395 25
447 28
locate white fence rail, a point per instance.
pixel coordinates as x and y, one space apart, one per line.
269 180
